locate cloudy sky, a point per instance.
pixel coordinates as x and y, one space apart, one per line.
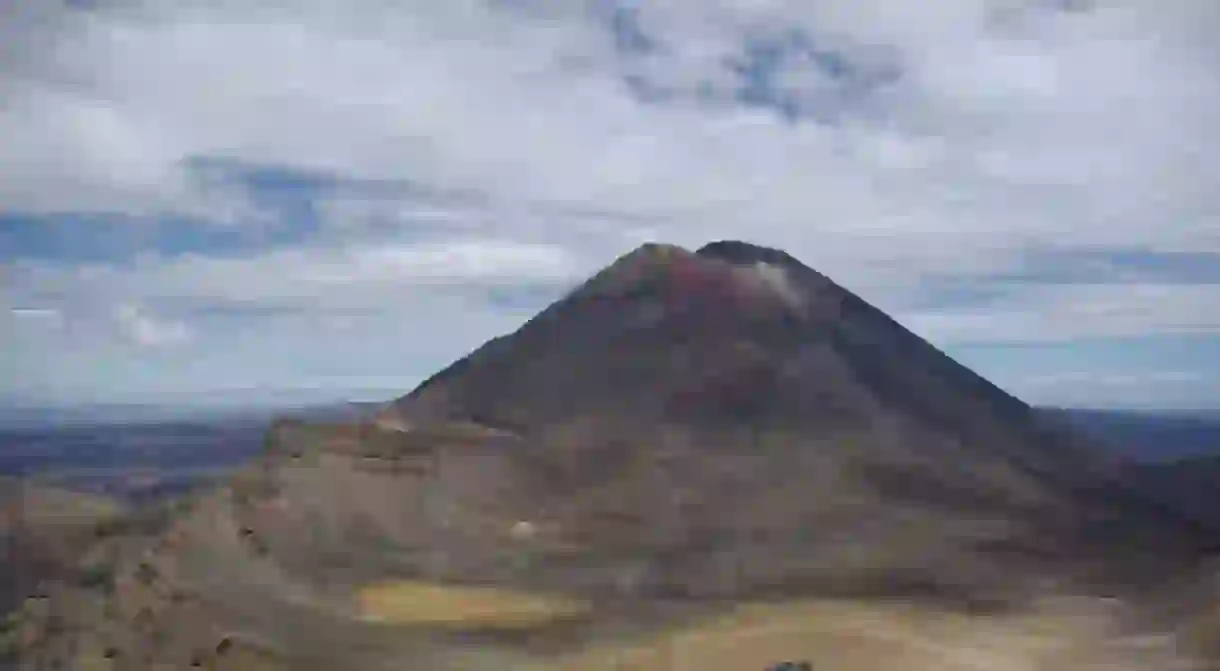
231 200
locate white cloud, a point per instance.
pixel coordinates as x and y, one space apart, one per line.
145 330
980 128
1110 379
333 318
35 314
35 323
1150 389
1049 313
366 277
998 130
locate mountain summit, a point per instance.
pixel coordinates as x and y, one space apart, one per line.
662 317
731 336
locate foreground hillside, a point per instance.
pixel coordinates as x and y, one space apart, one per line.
315 560
43 529
696 460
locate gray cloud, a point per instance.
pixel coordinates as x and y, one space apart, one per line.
997 130
1050 313
1161 389
477 145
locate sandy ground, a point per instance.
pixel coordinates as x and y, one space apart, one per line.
1064 635
429 604
859 637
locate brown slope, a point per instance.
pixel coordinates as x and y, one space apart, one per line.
273 567
43 531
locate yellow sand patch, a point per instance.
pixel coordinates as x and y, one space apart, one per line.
837 635
92 661
450 606
755 637
243 658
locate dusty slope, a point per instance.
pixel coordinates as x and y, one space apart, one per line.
325 560
42 530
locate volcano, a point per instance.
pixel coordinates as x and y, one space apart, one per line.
682 433
740 353
731 336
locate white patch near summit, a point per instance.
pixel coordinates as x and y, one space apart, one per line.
776 279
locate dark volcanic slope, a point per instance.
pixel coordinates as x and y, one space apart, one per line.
742 349
731 335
